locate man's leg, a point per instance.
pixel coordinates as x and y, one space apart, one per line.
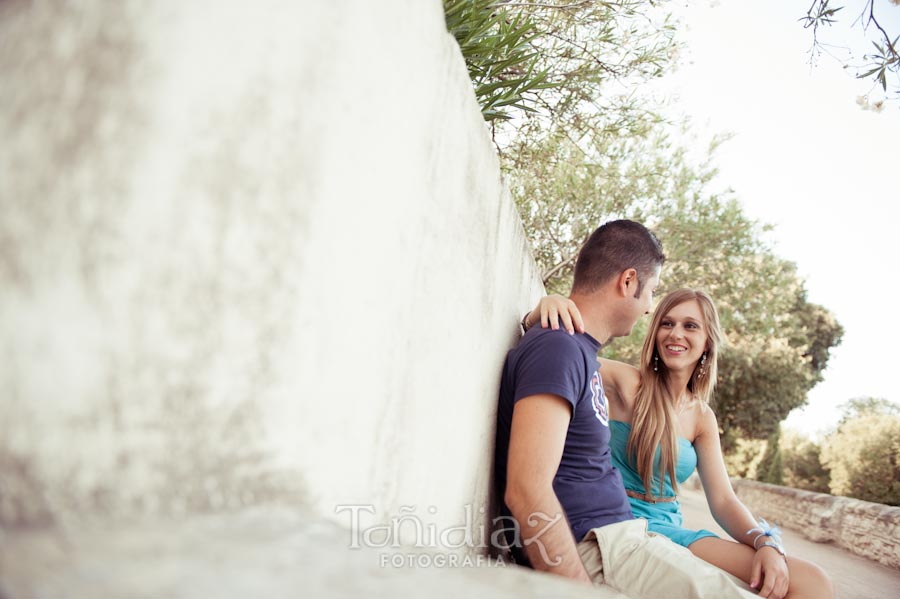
589 551
649 566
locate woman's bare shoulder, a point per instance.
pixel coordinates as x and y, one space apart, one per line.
706 422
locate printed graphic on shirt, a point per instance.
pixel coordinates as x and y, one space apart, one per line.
598 400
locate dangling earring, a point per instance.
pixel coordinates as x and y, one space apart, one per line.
655 362
702 363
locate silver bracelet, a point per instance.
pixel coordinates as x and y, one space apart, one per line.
524 323
771 534
774 546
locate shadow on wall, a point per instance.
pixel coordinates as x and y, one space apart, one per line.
224 469
22 494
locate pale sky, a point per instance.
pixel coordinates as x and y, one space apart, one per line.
807 159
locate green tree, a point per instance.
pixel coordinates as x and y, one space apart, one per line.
862 454
777 352
745 457
565 189
767 372
771 469
866 406
801 458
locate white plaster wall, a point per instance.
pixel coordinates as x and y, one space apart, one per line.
249 252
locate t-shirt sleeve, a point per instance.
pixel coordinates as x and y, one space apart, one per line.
553 363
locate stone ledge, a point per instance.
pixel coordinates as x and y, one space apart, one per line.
270 551
870 530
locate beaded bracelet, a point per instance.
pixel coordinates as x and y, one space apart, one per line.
524 322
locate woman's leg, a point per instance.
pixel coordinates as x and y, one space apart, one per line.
807 580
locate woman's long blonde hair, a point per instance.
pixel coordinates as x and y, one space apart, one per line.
654 422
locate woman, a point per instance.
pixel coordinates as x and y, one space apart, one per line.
662 428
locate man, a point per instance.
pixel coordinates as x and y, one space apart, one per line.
553 461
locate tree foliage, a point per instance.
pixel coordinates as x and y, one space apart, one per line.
588 149
572 63
866 406
881 61
773 359
858 459
771 467
801 459
745 457
778 341
863 454
500 54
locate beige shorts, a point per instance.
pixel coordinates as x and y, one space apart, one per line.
645 565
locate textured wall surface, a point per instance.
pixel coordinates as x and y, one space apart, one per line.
251 255
871 530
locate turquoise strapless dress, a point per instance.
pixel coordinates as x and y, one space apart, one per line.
662 518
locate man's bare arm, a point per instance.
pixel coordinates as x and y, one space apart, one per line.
537 438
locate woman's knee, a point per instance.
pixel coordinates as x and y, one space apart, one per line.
809 580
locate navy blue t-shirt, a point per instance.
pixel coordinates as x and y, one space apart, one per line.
588 486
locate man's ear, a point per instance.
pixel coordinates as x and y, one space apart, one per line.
626 282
